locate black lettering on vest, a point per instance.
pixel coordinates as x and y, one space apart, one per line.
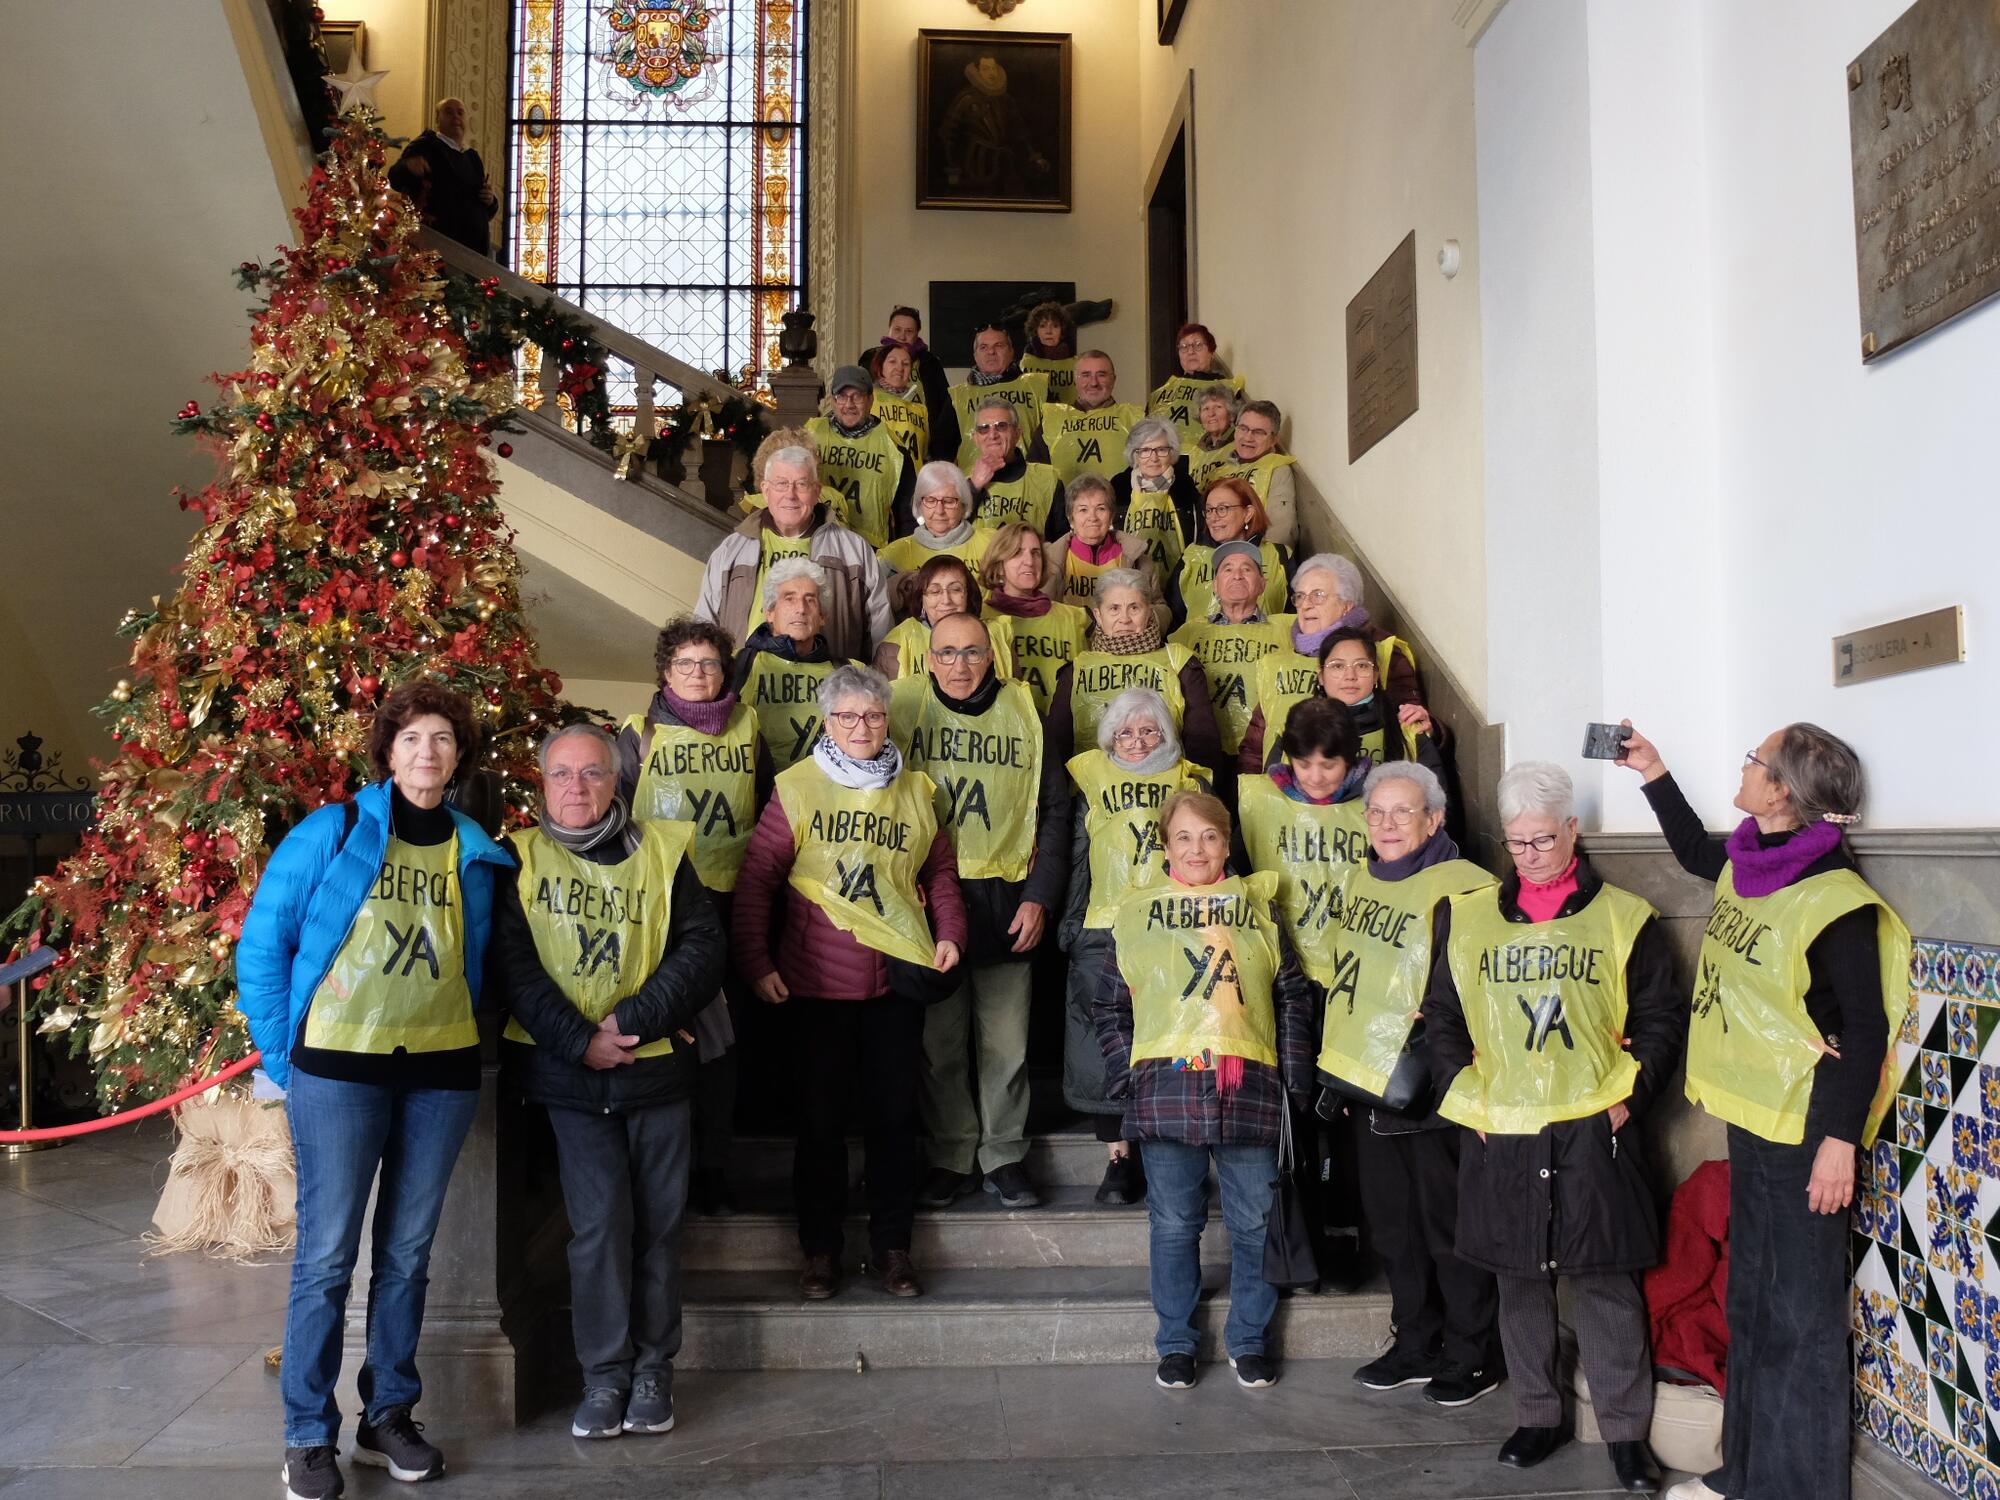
1544 1016
409 947
858 884
1540 963
1090 451
1346 972
708 810
1212 967
1708 995
967 796
1179 413
804 732
596 949
1733 927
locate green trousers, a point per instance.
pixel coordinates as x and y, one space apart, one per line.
974 1091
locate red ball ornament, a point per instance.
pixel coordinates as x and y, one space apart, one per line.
451 521
506 450
399 559
190 840
370 685
177 720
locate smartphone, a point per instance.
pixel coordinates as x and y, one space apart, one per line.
1604 741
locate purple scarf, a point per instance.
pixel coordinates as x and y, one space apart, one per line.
917 347
1308 645
704 718
1760 869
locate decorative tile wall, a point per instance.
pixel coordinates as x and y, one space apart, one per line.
1927 1233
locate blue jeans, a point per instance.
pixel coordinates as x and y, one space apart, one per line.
341 1133
1177 1206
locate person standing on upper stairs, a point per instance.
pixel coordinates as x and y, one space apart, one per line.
1153 496
779 670
861 460
447 181
905 331
1006 484
1174 398
1256 458
1086 434
1051 335
995 375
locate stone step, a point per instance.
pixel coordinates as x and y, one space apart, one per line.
1057 1158
755 1320
976 1233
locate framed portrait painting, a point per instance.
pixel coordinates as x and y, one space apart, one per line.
993 120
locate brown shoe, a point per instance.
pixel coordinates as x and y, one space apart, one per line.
898 1276
820 1279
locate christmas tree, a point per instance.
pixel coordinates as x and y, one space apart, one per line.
352 543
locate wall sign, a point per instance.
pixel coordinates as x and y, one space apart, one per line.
1382 351
1932 640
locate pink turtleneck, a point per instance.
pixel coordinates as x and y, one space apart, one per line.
1541 902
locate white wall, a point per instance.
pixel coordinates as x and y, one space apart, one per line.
901 249
396 39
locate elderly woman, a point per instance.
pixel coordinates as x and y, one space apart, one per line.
781 666
358 972
872 920
1005 486
1371 1056
1174 398
1051 336
1232 639
1255 457
1205 1064
1553 1021
610 946
1115 849
1326 595
1153 497
943 586
900 400
1125 649
1215 411
695 756
1812 968
1044 635
943 501
1093 548
1231 512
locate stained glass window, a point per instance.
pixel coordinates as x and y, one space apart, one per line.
657 156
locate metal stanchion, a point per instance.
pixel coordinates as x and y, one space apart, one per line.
18 974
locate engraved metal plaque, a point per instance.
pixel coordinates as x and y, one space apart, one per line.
1931 640
1923 114
1382 351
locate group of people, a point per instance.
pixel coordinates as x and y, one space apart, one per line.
942 723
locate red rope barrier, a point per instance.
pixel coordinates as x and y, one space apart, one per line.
127 1116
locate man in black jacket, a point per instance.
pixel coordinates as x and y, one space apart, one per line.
608 947
447 181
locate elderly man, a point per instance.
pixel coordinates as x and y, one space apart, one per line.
995 375
608 946
1088 437
447 181
794 524
1256 458
1005 485
984 746
781 665
1236 636
861 461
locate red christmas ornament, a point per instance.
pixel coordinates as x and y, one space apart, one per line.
177 720
190 841
370 685
190 411
451 521
506 450
399 558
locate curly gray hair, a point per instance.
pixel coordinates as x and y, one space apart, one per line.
785 570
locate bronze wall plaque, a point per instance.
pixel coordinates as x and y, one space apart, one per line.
1932 640
1923 115
1382 350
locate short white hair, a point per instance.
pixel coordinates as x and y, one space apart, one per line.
940 471
577 731
853 681
1346 577
1149 431
1137 703
1420 776
997 403
1536 786
799 457
784 570
1126 578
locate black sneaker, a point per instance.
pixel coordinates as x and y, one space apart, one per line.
1459 1386
1404 1364
311 1473
601 1413
397 1445
1254 1371
1124 1181
1177 1372
1011 1186
944 1187
651 1407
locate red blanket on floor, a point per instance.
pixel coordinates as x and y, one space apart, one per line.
1687 1290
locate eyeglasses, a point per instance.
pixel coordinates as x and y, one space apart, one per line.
589 776
1395 817
1541 843
1345 668
993 427
1750 759
785 486
1188 345
939 502
1248 431
1138 734
1316 596
947 656
695 666
1154 450
847 718
1215 512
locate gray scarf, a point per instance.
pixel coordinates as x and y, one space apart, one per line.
616 824
858 775
962 532
1165 756
1152 484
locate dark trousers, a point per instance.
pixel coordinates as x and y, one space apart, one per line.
715 1082
1409 1190
1785 1414
839 1047
624 1181
1613 1344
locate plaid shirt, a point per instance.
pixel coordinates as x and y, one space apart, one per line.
1166 1103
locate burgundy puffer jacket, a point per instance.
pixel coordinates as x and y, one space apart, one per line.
814 957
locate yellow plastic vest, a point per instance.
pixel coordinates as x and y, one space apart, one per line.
1258 471
772 548
1060 373
1040 646
908 419
1382 963
906 554
1028 498
1027 394
858 854
1229 655
863 472
706 780
1079 578
1545 1003
1151 515
1198 579
1174 399
1203 462
912 640
987 769
1313 851
1121 820
784 695
1281 691
1099 677
398 981
1751 1046
1200 961
600 929
1088 442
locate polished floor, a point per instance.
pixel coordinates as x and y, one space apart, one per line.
123 1376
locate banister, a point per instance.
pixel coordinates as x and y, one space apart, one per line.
640 354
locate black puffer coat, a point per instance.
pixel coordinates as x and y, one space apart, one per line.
1573 1198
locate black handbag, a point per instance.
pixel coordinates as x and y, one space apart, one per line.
1289 1263
926 986
1409 1090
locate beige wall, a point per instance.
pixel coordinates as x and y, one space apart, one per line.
900 249
1326 130
396 33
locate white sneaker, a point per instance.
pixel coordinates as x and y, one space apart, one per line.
1694 1489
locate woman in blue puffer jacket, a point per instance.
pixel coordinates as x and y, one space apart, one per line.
358 973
